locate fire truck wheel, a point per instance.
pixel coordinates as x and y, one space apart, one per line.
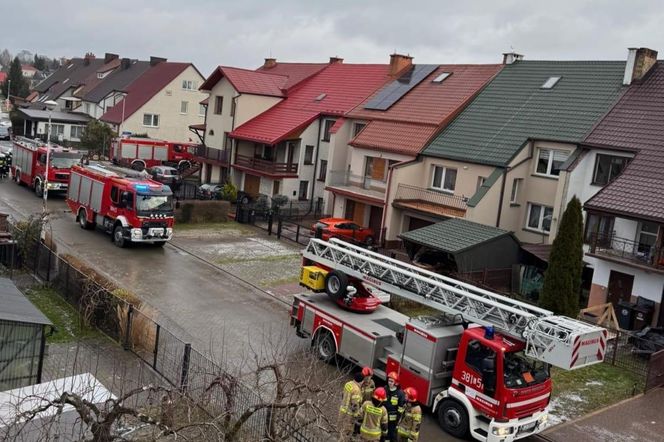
159 243
118 238
325 347
82 220
39 188
335 284
453 418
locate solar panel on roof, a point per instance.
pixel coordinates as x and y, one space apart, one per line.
391 93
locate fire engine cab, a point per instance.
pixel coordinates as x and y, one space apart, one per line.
481 362
29 165
122 202
144 153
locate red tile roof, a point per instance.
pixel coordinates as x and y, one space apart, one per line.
408 124
143 89
3 77
635 122
334 91
248 82
296 72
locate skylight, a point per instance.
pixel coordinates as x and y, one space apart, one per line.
320 97
440 78
550 83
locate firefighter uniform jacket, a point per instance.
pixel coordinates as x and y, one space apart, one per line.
409 425
368 386
374 421
396 399
352 399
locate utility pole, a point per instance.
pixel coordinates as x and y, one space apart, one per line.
50 106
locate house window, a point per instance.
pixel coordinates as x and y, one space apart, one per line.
600 226
201 110
322 174
549 161
151 120
304 187
226 140
87 108
480 182
444 178
647 236
188 85
516 185
328 128
184 107
357 128
76 131
539 217
56 129
309 155
218 104
607 167
232 107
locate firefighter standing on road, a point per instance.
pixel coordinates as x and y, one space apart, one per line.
368 386
394 404
373 426
408 429
349 411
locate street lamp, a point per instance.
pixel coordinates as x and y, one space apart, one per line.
50 105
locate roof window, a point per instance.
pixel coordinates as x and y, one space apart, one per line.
550 83
320 97
440 78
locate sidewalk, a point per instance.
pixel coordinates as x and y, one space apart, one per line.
638 419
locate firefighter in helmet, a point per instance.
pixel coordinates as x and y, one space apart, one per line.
394 404
368 385
373 426
408 429
349 411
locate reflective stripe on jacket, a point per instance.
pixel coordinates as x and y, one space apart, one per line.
352 399
374 420
409 425
394 403
368 387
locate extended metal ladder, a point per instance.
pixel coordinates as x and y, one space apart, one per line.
560 341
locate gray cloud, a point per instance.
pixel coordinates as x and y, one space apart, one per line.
243 32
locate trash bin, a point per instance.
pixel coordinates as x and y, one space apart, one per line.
625 313
243 215
643 311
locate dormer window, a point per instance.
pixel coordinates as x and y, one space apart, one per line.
550 83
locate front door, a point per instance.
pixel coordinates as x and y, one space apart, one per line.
252 184
620 287
358 213
376 219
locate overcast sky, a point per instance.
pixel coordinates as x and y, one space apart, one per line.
244 32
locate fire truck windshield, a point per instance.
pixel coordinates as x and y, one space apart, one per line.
154 203
522 371
64 160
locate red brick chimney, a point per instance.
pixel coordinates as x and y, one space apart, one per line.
336 60
639 63
89 56
269 63
398 63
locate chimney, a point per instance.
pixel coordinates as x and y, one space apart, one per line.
88 57
399 62
511 57
269 63
336 60
639 63
108 57
156 60
125 63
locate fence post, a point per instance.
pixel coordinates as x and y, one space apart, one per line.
156 348
35 264
130 312
269 223
279 226
184 375
297 233
615 348
48 269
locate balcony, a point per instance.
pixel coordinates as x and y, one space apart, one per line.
265 167
210 155
626 251
430 202
344 182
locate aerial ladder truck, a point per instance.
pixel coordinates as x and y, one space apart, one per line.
481 362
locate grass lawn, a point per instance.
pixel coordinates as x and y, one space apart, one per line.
228 225
64 317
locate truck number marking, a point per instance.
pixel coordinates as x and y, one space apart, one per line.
472 380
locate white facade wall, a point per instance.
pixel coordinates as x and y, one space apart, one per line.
648 285
42 128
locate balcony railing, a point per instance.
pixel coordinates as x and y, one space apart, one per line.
624 249
343 179
266 166
212 154
430 201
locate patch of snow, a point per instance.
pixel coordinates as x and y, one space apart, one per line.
594 383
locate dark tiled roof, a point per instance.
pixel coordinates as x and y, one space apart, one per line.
513 107
16 307
453 235
636 122
117 80
68 76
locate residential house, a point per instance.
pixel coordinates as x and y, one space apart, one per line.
625 219
284 150
161 103
501 161
28 71
236 96
391 127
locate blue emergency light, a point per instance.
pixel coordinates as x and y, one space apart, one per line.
489 332
142 187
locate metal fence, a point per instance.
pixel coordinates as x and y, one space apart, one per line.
175 360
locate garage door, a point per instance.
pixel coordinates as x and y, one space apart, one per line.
252 184
417 223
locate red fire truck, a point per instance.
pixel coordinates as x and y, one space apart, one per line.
122 202
481 362
29 165
144 153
